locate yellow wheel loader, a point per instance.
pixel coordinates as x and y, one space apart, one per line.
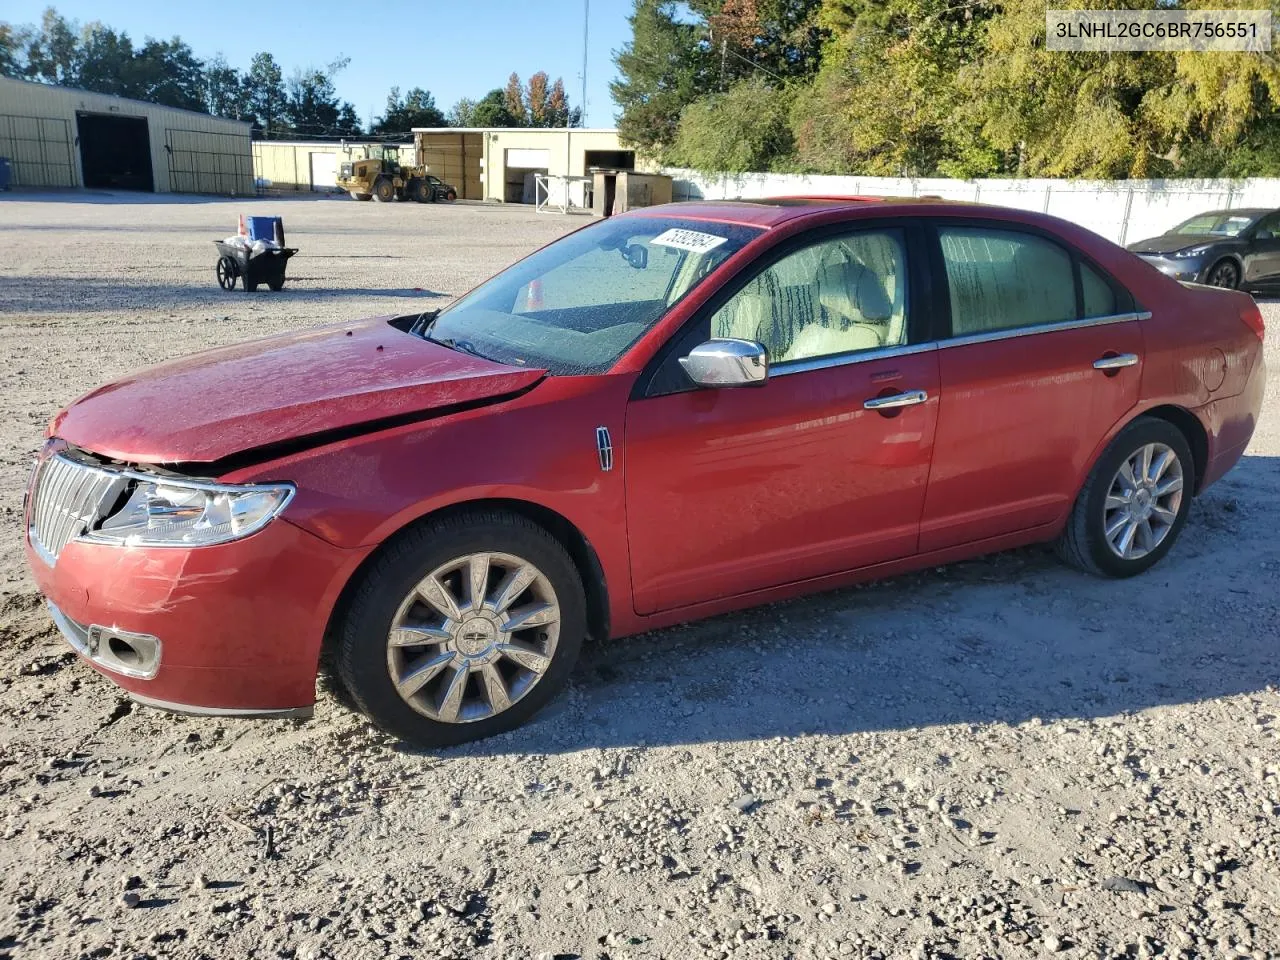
384 179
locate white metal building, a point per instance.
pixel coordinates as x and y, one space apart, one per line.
61 137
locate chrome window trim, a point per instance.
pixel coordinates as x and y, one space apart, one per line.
850 358
1008 334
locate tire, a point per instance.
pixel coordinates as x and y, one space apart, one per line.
1085 544
420 191
451 196
275 285
384 191
360 196
250 287
458 653
227 273
1225 273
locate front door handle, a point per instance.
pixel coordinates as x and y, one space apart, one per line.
908 398
1115 361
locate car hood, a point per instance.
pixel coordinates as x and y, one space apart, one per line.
1171 242
311 384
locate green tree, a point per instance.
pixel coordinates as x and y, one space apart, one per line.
743 129
663 69
463 113
492 111
166 71
312 107
224 93
53 50
265 95
105 61
886 99
416 109
12 43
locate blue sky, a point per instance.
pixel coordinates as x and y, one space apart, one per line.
452 49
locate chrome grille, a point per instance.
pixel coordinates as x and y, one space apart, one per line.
66 496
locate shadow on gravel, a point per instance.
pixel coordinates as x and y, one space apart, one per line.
1003 639
37 296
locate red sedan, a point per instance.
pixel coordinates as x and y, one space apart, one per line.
665 415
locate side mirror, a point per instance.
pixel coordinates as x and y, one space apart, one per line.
727 363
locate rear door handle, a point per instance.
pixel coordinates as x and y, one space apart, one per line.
908 398
1115 362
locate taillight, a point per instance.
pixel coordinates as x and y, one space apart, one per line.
1253 317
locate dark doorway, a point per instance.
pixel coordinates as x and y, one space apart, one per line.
611 159
115 152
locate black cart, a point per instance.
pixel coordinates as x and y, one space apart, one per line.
236 262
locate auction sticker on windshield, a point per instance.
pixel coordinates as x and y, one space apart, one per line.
691 240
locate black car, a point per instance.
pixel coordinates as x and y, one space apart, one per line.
1239 249
441 190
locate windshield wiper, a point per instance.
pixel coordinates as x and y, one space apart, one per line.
425 321
462 346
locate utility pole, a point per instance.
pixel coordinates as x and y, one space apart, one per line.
586 19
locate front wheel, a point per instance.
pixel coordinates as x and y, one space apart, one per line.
1224 274
1134 504
451 196
464 628
420 190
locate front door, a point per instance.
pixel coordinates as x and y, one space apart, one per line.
739 489
1033 377
1262 256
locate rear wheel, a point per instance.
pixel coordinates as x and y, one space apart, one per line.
464 628
1224 274
227 273
384 191
1134 504
356 195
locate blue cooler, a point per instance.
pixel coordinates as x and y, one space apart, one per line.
265 228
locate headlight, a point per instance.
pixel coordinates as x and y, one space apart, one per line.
1189 252
160 512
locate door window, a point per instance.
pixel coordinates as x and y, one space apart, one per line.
842 295
1268 227
1099 298
1002 279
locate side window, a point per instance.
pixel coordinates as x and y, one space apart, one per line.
1001 279
838 296
1268 227
1099 298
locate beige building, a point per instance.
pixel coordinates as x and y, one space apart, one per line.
500 163
285 166
61 137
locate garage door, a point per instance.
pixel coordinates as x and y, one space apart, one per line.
205 162
324 172
529 159
39 148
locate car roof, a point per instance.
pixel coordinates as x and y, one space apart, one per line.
773 211
1236 211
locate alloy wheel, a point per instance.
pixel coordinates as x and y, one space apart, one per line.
1224 275
1143 501
473 637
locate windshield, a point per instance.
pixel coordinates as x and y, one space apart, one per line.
1215 224
575 306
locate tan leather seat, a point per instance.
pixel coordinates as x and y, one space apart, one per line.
854 313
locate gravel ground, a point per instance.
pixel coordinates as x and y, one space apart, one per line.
1001 758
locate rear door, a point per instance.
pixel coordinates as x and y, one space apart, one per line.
1044 357
740 489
